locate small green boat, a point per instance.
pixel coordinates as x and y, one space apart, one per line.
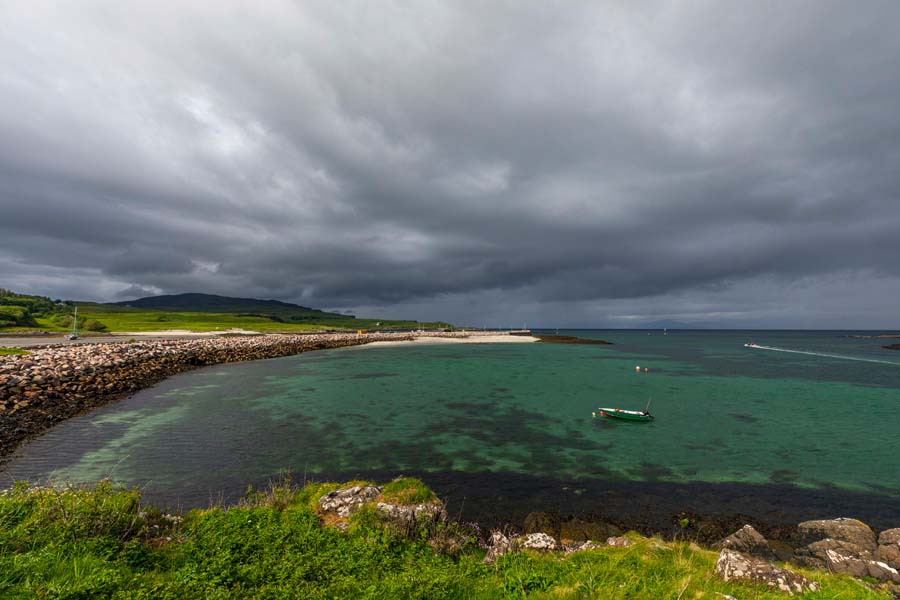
627 415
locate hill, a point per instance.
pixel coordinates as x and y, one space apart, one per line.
21 313
194 302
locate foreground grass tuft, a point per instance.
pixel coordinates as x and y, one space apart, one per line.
102 543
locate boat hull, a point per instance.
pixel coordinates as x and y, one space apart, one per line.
625 415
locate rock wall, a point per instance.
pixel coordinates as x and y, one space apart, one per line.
56 382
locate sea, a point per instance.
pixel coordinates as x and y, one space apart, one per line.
804 425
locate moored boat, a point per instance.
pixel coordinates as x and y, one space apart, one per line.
626 415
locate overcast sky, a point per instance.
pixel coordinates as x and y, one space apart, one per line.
488 163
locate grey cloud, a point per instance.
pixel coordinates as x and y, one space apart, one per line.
565 161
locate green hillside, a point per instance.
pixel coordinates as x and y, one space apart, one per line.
210 303
194 312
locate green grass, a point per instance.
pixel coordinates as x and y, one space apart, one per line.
120 318
102 543
12 351
22 313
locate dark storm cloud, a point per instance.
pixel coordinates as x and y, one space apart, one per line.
608 164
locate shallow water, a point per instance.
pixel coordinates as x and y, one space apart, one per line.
725 415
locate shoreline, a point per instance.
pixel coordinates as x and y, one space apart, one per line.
55 382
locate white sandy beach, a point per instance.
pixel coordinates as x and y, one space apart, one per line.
477 339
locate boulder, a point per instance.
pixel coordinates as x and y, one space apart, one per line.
747 540
499 545
619 541
536 541
889 547
411 514
346 501
853 532
537 522
838 562
580 546
733 566
581 530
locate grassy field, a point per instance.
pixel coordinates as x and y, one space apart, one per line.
102 543
193 312
119 319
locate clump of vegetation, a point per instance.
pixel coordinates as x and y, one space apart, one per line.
12 351
22 310
100 542
407 490
12 316
94 325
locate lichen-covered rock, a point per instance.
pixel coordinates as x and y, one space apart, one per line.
536 541
736 566
853 532
747 540
346 501
580 546
889 547
838 562
410 514
619 541
499 545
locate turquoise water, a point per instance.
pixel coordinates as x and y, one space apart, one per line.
725 414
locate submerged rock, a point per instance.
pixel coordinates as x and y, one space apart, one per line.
579 529
733 566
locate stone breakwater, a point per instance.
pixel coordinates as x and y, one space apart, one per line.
56 382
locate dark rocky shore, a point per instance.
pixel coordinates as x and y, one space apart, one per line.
56 382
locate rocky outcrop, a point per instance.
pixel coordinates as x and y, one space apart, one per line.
847 546
747 540
889 547
849 537
498 545
409 515
55 382
536 541
733 566
845 563
619 541
344 502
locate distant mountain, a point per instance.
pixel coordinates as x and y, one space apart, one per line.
211 303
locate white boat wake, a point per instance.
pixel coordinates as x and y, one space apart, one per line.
753 346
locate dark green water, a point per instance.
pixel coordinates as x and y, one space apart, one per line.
519 416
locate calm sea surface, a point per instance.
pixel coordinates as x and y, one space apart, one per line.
812 424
